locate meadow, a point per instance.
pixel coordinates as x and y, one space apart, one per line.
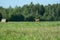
30 30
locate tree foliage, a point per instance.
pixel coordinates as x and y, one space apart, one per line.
0 16
30 12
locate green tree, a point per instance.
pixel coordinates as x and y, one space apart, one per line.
0 16
17 18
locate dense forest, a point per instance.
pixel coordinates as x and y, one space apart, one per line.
30 12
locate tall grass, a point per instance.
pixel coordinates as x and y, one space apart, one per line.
30 24
30 31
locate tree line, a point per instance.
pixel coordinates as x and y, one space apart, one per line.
30 12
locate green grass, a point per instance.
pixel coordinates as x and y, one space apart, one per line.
30 31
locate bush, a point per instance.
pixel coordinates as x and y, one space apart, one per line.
17 18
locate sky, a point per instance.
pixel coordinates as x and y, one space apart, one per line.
13 3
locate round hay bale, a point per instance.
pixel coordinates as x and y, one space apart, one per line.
36 20
3 20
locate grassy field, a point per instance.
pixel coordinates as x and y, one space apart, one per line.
30 31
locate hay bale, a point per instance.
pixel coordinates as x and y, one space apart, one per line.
36 20
3 20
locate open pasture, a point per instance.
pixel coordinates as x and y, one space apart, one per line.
30 31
